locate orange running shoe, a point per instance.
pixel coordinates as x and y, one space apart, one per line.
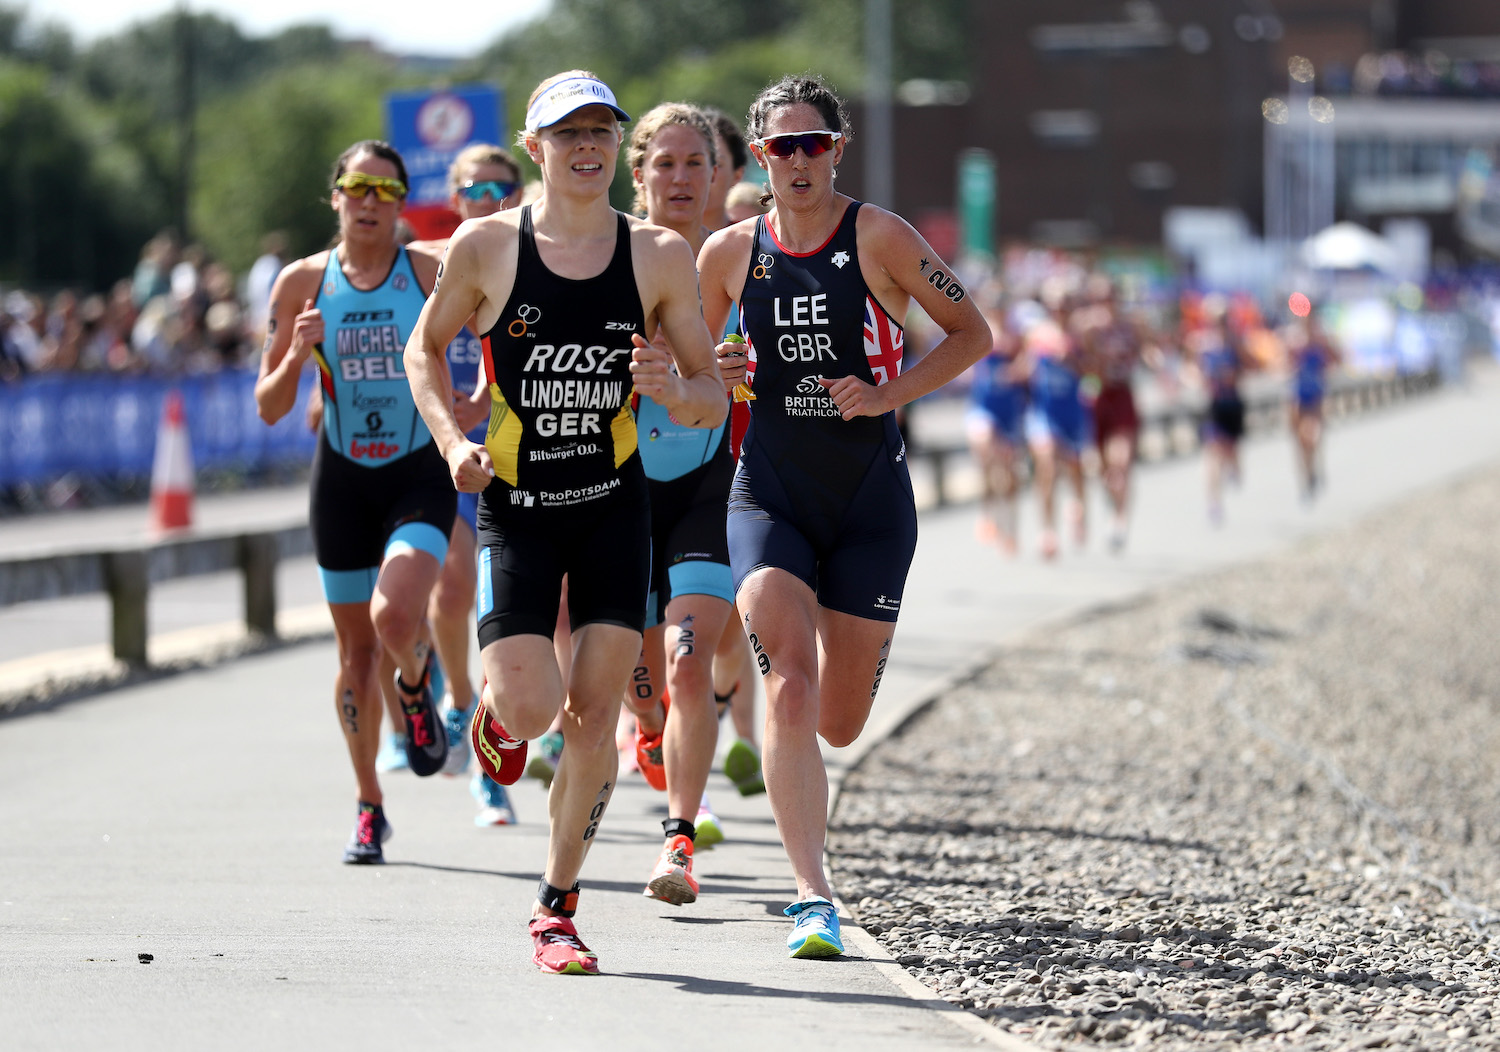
558 949
648 751
672 880
500 756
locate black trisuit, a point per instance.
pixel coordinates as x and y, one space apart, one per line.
569 495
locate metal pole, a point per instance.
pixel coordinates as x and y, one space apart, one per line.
187 80
880 179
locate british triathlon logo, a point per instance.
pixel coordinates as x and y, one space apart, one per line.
526 317
809 385
840 259
766 261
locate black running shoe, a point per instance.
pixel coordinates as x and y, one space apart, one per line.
426 740
370 831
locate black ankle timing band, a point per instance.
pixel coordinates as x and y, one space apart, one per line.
679 827
563 903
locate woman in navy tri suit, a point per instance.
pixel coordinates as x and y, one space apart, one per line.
822 523
381 503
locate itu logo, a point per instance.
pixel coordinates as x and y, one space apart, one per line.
526 316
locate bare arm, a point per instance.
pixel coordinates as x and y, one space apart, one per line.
294 328
899 265
723 256
454 298
695 393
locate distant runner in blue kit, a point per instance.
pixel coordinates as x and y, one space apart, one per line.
1312 354
564 291
822 523
381 502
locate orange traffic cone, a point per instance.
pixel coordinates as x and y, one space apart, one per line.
172 469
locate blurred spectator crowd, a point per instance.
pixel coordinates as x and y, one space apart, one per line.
180 313
1400 73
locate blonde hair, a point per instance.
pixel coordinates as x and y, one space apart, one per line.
476 154
647 128
745 195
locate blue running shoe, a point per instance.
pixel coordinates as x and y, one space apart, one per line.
456 726
392 755
494 801
816 932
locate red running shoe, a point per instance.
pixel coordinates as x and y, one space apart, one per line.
648 752
558 949
500 756
672 880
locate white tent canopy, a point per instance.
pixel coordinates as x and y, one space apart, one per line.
1349 246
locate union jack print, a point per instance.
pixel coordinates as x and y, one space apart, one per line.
885 342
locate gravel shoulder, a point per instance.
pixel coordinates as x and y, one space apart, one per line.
1258 809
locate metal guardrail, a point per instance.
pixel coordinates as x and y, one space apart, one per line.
1173 431
127 572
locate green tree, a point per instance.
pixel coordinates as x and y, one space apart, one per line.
76 207
265 155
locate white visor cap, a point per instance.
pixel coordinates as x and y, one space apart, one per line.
566 96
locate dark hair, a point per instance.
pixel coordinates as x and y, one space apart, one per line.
733 138
792 91
384 150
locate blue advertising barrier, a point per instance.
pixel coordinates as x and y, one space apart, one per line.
103 427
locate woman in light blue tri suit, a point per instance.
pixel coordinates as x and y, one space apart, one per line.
382 504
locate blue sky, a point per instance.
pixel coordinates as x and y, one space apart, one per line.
445 27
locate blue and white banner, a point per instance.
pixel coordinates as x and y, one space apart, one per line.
103 428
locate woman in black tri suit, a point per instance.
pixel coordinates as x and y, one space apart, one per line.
563 291
822 524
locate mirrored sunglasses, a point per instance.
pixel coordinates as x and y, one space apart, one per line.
810 143
492 188
358 184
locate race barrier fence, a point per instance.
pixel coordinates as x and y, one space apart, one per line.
221 415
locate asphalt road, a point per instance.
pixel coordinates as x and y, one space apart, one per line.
199 818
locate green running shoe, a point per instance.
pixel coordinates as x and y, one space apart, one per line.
742 767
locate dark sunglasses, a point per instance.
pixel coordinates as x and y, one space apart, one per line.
810 143
494 188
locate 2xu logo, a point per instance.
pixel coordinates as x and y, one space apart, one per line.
948 286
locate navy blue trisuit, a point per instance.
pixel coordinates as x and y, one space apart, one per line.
826 499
